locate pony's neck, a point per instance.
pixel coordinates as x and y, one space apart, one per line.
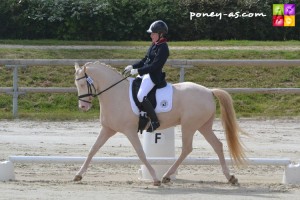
104 76
111 100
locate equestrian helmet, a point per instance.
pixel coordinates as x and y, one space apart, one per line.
158 27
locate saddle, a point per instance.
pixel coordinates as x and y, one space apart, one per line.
160 98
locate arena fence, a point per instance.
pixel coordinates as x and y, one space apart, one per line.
291 173
182 64
136 160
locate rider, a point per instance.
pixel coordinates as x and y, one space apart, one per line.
150 69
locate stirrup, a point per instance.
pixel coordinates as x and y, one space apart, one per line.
153 126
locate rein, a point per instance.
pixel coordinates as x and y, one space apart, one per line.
90 86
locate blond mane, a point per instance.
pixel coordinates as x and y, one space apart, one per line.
89 64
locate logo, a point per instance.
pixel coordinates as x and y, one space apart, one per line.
163 104
284 15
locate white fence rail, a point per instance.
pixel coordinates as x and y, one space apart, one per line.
136 160
15 91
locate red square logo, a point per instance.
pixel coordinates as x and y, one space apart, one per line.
278 20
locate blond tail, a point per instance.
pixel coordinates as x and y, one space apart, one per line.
231 126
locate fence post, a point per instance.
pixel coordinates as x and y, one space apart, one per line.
15 92
182 71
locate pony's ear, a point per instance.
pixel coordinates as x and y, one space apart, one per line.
77 66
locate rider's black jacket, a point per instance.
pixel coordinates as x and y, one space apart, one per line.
154 61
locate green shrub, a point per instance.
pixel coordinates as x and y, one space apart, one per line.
128 20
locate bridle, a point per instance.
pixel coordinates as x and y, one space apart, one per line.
91 87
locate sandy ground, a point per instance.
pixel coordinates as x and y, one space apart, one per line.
268 139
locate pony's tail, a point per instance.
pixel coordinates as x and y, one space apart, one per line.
231 126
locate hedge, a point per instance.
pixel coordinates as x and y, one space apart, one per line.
128 19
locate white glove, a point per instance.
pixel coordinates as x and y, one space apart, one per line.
134 71
127 69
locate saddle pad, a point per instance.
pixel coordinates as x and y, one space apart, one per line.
164 98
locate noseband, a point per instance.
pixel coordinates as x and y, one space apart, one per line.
91 87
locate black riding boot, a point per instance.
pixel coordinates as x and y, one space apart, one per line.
154 124
143 121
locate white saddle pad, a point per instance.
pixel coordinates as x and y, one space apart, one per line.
164 98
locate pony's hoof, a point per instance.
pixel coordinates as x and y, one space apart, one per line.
77 178
166 180
156 183
233 180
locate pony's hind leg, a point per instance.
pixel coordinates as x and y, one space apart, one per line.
207 132
104 135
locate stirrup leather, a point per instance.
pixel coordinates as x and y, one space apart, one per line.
153 126
143 121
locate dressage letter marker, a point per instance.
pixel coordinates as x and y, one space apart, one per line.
158 145
157 137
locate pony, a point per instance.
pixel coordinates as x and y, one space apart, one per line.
194 108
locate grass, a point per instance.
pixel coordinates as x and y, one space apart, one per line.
64 106
135 54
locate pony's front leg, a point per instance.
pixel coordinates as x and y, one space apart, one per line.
187 148
136 143
104 135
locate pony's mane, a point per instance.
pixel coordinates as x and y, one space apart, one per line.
103 64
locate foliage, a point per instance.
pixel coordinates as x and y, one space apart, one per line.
128 20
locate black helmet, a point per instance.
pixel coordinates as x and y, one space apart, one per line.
158 27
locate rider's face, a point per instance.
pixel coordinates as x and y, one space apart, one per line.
154 37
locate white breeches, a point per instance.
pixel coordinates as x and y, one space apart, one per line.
146 87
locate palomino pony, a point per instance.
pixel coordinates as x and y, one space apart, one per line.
193 108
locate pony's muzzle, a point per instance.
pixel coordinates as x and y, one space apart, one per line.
85 106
